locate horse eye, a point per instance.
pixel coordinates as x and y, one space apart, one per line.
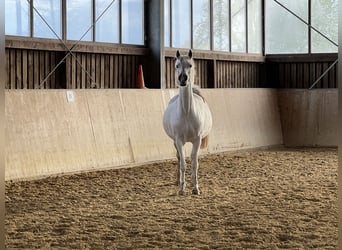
190 66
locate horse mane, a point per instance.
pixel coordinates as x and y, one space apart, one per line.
197 91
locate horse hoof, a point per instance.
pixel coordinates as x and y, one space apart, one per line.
181 192
196 192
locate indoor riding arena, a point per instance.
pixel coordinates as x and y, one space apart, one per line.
90 163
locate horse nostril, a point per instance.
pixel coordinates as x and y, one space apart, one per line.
183 78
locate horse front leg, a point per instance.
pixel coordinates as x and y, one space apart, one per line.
182 166
194 164
178 167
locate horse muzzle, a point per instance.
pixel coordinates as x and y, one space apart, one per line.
183 79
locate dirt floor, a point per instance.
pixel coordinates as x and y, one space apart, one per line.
267 199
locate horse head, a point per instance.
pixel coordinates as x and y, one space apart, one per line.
185 69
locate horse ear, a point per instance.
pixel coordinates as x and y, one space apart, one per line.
190 53
177 54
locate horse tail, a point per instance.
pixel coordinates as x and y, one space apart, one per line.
204 142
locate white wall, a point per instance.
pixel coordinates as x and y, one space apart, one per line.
47 135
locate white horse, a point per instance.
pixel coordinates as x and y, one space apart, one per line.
187 118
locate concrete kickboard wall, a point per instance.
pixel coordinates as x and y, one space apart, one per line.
309 117
47 135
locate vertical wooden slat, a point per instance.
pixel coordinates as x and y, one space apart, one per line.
8 72
36 69
24 68
299 75
106 71
319 67
93 72
325 79
18 69
47 58
30 73
120 67
102 72
111 72
83 71
306 72
42 69
116 72
12 69
53 63
332 78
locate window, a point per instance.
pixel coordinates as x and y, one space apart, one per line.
238 33
254 26
324 17
181 29
284 32
107 26
50 11
79 20
132 21
167 34
221 25
201 24
17 18
112 21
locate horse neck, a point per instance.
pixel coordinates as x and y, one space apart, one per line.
186 98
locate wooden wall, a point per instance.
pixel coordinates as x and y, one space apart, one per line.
89 70
26 69
301 71
215 71
30 61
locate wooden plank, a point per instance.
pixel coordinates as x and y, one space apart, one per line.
331 77
53 63
306 78
120 75
41 70
293 72
18 69
116 71
229 75
93 72
102 72
36 68
124 72
83 74
312 75
88 67
79 70
318 74
134 69
24 69
86 47
216 55
30 71
8 72
106 71
325 80
12 69
299 75
47 69
111 72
